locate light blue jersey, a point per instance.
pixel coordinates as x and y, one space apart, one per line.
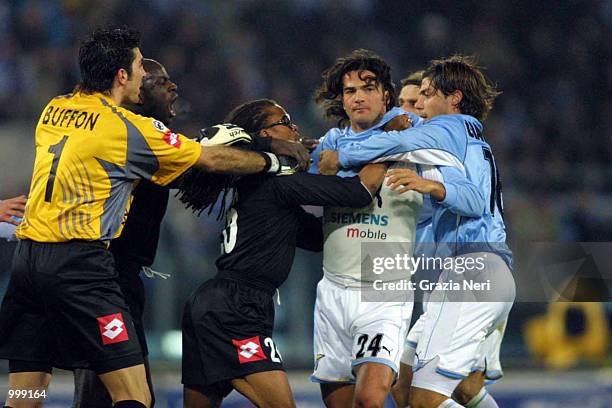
470 219
337 138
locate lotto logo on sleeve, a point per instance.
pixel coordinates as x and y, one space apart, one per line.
172 139
112 329
249 350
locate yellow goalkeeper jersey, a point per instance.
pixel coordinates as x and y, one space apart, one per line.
89 154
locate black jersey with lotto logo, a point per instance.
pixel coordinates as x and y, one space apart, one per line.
266 222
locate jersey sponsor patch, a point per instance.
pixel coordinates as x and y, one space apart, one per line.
112 329
249 350
159 126
172 139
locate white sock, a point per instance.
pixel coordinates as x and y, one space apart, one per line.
482 400
449 403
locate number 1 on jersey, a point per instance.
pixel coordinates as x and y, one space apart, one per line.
57 150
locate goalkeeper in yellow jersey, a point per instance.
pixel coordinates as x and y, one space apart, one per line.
64 307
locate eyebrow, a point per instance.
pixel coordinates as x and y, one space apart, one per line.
367 84
151 76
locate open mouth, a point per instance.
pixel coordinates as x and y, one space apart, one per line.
171 108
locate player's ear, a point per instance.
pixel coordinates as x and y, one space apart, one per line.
122 76
456 98
264 133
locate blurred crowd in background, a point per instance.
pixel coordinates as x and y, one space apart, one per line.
550 129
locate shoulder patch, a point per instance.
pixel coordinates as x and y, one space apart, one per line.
159 126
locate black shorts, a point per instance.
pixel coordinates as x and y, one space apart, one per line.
133 291
227 334
64 308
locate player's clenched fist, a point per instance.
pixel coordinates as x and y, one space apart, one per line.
400 122
292 149
402 180
329 163
12 207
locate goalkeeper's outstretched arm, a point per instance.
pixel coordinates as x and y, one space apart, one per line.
229 160
218 157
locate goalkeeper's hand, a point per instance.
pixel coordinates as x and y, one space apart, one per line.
225 134
294 150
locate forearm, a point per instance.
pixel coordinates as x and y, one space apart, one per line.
431 143
358 154
372 176
315 189
228 160
438 191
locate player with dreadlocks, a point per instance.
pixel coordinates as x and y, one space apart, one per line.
228 321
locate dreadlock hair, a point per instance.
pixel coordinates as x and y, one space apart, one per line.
329 93
251 116
200 190
461 73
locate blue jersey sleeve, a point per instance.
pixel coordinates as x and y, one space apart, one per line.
441 141
314 159
327 142
462 196
390 115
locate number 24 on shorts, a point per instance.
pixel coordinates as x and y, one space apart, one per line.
373 346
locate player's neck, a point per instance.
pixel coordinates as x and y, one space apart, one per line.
116 94
362 127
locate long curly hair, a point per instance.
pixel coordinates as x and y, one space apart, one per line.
329 93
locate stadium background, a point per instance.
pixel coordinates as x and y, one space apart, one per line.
550 130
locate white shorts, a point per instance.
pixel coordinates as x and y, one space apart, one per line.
412 340
414 334
349 332
465 336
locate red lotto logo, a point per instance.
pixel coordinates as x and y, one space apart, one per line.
112 329
249 350
172 139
